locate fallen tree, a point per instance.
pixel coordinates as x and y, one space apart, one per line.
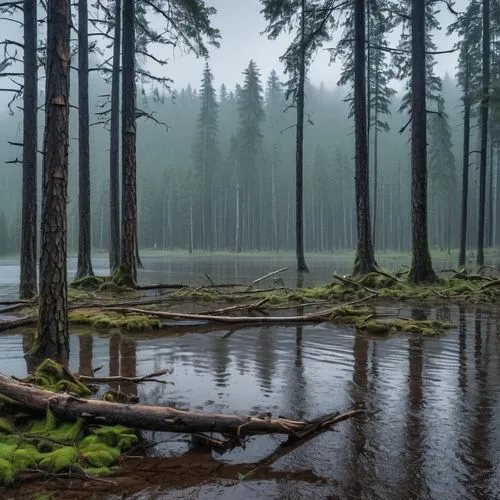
67 407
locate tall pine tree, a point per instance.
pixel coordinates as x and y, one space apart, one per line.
206 158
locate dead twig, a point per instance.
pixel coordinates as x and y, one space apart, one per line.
135 380
272 273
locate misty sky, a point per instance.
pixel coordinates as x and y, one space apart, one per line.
241 23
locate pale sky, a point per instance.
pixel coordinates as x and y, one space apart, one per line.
241 24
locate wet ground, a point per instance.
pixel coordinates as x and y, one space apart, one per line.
433 404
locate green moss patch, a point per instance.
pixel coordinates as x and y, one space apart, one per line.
53 446
390 326
110 319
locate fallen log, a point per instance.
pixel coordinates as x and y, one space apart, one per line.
16 323
180 286
156 418
306 318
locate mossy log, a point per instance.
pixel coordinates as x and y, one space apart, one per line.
157 418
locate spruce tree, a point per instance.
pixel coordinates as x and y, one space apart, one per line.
206 158
251 116
442 173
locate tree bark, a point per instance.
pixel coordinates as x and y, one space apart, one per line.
465 165
299 157
28 288
421 266
84 266
52 338
484 130
129 188
364 261
157 418
114 154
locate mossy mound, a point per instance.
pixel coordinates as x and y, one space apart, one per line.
390 326
89 283
52 376
53 446
111 319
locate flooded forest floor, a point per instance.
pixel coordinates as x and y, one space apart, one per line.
263 341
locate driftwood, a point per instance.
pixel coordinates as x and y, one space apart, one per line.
179 286
15 323
306 318
346 281
136 380
158 418
268 275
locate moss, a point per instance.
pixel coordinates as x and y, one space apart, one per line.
55 446
7 472
26 457
111 319
5 426
390 326
89 283
116 436
54 377
101 471
62 459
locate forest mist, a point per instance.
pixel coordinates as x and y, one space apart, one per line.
169 197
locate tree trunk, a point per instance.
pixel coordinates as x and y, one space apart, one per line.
465 165
28 288
364 261
375 161
421 266
273 200
299 158
114 150
129 188
484 130
84 266
157 418
52 339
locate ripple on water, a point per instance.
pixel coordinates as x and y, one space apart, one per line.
434 402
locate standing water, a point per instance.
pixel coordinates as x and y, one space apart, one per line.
433 403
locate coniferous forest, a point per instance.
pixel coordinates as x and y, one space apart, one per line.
397 157
392 156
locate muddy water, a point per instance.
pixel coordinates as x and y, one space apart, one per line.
432 430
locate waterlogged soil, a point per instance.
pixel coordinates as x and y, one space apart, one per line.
430 432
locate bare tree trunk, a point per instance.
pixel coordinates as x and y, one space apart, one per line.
128 262
490 194
273 201
84 266
28 288
484 129
375 158
52 338
299 188
114 155
364 261
465 165
421 266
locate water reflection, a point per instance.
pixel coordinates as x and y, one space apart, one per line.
430 430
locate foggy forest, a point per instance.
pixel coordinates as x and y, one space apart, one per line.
197 175
151 148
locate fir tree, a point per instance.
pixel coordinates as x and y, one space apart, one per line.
206 157
251 116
